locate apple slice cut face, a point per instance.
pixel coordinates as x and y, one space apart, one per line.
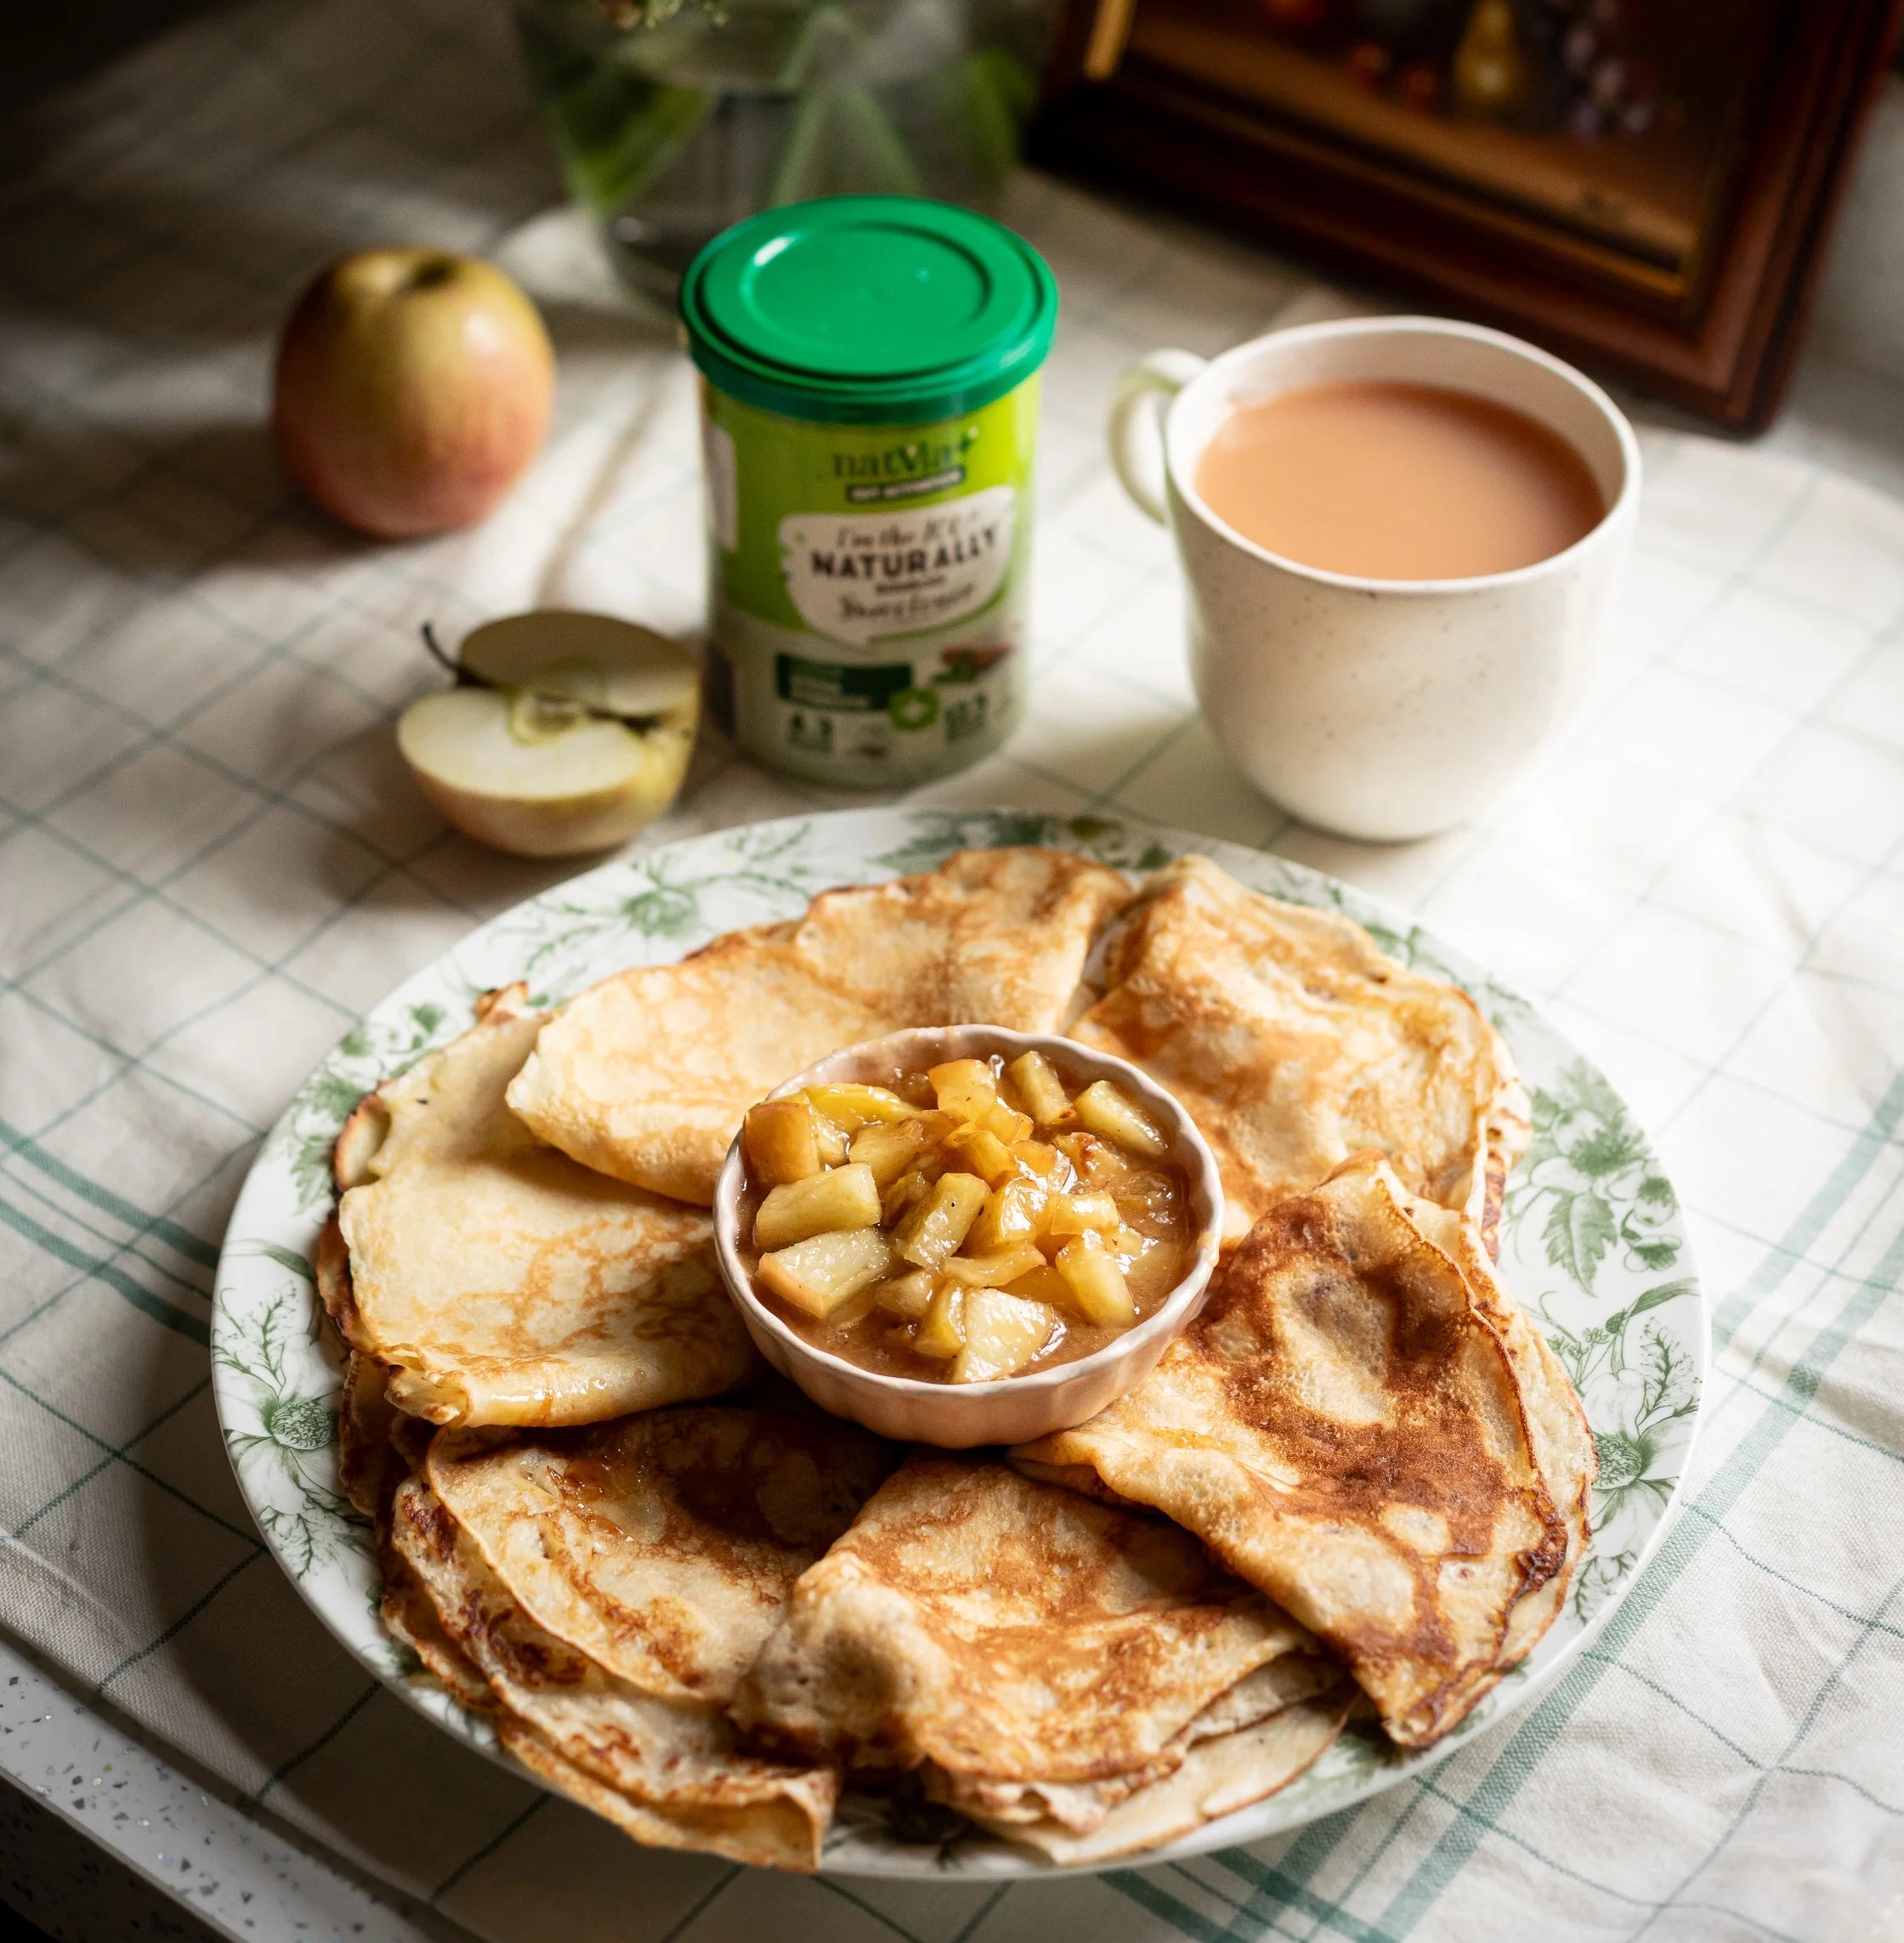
592 659
462 737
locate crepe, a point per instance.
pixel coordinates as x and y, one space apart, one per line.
366 1464
1558 1432
1292 1042
1345 1428
499 1281
613 1583
646 1076
1079 1678
414 1525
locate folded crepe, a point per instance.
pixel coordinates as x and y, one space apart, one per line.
379 1450
499 1281
1558 1432
1345 1426
1079 1678
612 1584
367 1467
1292 1041
646 1075
413 1525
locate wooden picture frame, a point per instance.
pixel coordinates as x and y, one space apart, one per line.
1691 282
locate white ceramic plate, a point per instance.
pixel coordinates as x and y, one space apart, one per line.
1592 1246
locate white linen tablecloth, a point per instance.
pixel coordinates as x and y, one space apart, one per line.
211 860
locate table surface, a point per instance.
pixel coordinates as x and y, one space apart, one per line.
210 861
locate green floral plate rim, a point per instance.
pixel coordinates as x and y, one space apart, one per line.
1592 1245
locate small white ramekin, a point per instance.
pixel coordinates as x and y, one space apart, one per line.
1013 1409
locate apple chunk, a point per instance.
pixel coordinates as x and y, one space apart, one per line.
1112 1114
842 1198
1003 1334
1096 1281
821 1275
781 1142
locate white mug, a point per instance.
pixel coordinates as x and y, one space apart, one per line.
1376 708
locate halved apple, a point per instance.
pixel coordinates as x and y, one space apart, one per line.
611 666
575 733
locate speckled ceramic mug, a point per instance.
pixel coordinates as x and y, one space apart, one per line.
1380 710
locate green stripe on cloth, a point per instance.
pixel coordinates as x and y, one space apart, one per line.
1686 1539
1145 1894
1790 1248
1274 1890
1300 1863
143 1300
187 1244
48 1204
873 1910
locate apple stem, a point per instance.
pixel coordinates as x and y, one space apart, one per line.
435 647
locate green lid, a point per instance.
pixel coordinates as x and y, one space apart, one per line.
869 310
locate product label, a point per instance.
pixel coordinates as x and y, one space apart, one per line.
868 586
860 578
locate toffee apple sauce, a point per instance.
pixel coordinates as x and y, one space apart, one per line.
961 1224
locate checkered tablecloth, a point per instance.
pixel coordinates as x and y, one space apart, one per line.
210 860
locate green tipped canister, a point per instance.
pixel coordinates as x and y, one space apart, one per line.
870 397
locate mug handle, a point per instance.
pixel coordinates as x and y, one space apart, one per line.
1135 425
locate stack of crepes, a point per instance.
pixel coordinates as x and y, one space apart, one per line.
1359 1478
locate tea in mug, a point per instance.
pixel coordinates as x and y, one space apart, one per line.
1394 481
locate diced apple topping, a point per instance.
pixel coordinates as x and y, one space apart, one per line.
1075 1213
822 1272
1006 1224
942 1335
1043 1284
1095 1280
852 1106
1003 1334
1111 1113
841 1197
1014 1212
1040 1088
939 1224
967 1089
781 1142
888 1147
907 1296
981 1150
992 1271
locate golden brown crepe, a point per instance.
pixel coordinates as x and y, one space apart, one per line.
1294 1042
646 1075
1557 1428
498 1281
1079 1678
613 1583
1345 1428
414 1526
366 1462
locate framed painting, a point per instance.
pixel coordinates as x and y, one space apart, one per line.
1644 185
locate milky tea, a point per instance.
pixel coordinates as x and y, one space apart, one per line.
1395 481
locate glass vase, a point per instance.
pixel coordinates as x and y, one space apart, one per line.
694 115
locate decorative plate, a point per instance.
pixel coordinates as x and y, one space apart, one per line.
1592 1246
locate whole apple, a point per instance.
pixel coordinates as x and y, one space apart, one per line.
412 387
